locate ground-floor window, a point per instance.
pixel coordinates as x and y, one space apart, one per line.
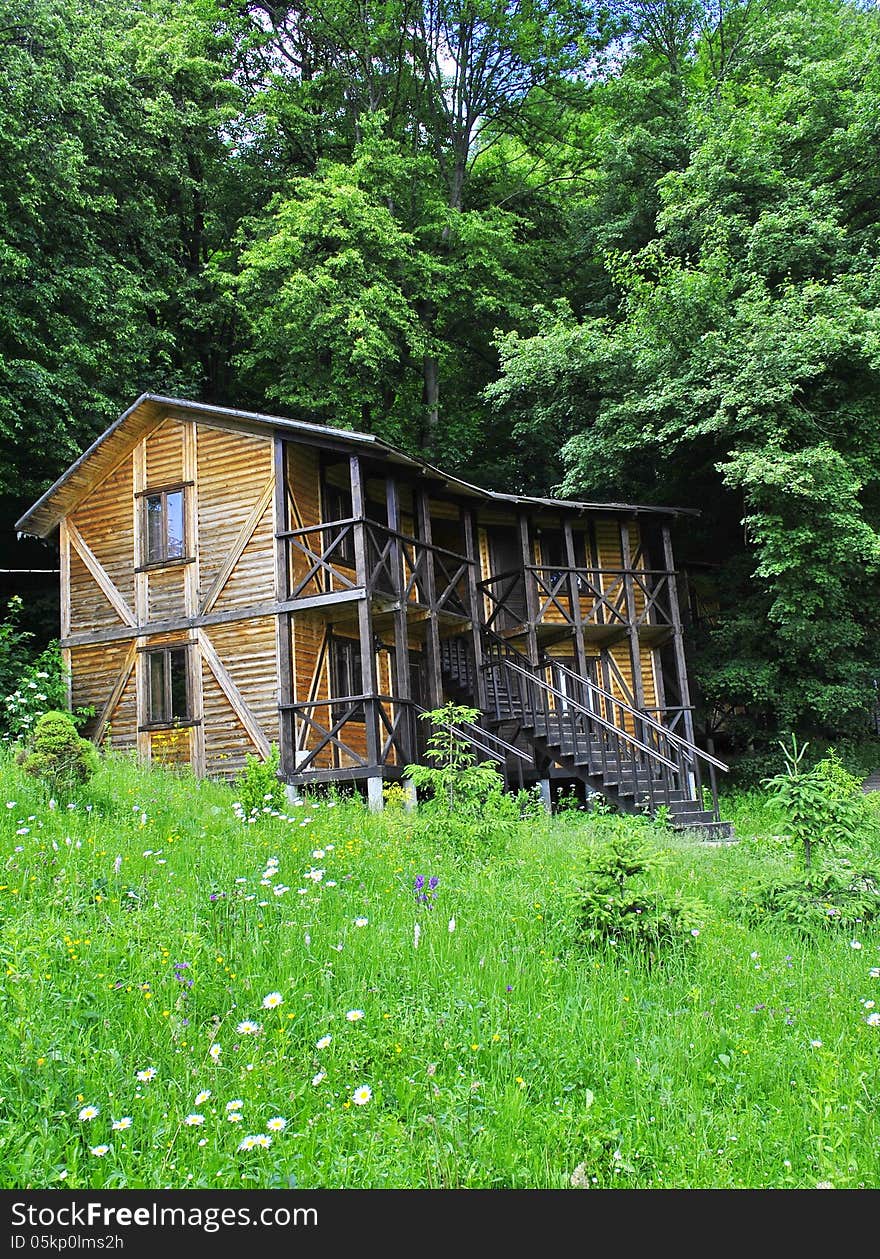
168 685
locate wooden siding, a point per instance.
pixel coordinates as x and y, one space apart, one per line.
234 473
94 671
246 652
105 523
165 455
166 592
89 606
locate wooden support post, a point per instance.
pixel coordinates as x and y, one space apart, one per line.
283 620
365 615
475 604
402 688
141 600
678 638
429 588
191 583
66 654
635 653
530 590
574 594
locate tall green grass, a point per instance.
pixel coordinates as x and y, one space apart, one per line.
138 931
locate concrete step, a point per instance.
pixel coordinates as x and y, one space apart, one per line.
716 832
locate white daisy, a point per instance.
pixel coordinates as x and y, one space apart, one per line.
362 1095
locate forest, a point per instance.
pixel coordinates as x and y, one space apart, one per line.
621 252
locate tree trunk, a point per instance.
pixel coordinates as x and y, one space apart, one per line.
431 397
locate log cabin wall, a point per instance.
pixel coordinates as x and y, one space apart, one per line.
226 570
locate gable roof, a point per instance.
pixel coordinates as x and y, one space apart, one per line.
150 409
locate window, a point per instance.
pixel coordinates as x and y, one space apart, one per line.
337 506
554 556
346 674
164 526
168 686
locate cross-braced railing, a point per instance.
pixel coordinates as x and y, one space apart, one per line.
329 737
614 597
322 559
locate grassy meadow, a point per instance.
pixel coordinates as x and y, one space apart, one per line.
193 1001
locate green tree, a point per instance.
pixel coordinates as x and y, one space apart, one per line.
737 370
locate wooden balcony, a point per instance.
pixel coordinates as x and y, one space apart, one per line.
603 603
398 570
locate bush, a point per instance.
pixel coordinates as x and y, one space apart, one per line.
842 895
615 903
258 788
38 688
59 756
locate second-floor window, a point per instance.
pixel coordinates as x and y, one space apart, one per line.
337 506
164 526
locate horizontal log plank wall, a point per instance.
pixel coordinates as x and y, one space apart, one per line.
275 608
231 665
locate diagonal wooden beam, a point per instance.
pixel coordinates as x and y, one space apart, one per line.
244 536
97 570
116 693
233 694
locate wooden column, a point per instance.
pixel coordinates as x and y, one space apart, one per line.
475 602
402 688
432 628
283 620
678 638
530 591
191 582
365 618
635 653
141 599
580 650
66 654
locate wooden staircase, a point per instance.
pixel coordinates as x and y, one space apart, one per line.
614 749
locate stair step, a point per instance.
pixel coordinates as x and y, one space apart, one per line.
721 832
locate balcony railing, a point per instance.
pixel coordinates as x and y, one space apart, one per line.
612 597
359 735
322 559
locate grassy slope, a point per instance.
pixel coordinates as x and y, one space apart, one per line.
700 1073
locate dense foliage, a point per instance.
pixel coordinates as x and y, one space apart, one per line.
628 251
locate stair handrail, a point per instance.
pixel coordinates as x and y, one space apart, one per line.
617 731
684 744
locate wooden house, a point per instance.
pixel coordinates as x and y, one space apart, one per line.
231 581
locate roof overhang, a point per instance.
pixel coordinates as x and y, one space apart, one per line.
108 450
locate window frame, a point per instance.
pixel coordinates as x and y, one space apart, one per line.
164 492
334 498
166 650
345 661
